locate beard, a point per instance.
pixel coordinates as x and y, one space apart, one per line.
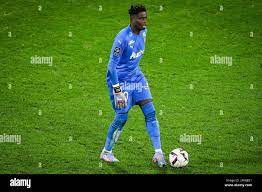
140 27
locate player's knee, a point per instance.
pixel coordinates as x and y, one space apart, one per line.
121 119
150 116
149 112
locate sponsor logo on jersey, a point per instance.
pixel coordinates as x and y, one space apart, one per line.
136 55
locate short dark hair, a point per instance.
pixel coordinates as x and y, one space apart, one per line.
135 9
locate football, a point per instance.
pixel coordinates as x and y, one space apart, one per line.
178 158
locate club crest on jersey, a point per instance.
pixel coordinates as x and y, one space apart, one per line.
136 55
131 43
116 51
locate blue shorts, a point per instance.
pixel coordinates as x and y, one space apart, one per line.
136 89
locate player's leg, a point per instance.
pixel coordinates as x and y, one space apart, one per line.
152 124
116 127
113 134
153 130
143 98
115 130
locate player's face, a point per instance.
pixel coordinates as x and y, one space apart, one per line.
140 20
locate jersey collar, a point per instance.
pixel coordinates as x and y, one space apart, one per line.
130 31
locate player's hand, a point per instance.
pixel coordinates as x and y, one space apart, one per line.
120 98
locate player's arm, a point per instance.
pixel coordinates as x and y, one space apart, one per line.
115 56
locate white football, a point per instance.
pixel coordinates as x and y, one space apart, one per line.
178 158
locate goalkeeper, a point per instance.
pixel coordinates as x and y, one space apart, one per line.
123 69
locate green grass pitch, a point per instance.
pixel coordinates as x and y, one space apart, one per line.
62 111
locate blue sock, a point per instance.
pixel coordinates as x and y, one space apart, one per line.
115 130
152 124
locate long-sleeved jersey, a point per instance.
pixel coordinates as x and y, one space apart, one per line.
127 51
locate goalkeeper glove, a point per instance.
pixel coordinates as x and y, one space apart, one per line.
120 98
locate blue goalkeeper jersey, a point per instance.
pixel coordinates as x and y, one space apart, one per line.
128 49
